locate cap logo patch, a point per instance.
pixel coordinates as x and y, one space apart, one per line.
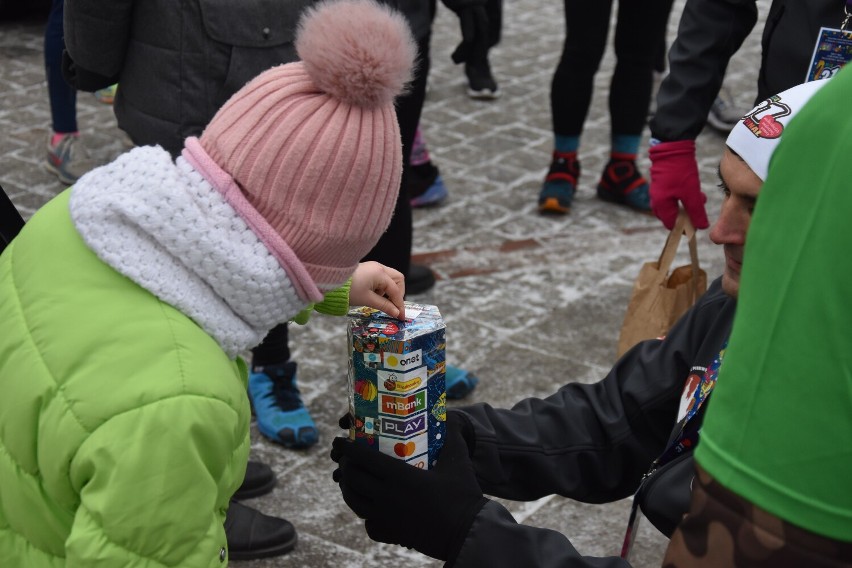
763 119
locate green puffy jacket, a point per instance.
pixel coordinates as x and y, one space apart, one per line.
123 425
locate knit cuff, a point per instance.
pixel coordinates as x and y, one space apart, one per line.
335 302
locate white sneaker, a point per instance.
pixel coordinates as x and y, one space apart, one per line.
724 114
68 159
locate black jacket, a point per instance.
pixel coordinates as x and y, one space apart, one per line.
709 34
591 442
178 62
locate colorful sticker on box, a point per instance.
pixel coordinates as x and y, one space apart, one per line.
404 361
402 405
405 449
401 383
404 428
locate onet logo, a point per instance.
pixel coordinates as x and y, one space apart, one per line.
401 362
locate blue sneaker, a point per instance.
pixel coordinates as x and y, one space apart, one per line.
559 184
281 415
68 159
622 183
434 194
459 382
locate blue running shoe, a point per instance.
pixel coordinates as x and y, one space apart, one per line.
622 183
559 184
459 382
434 194
281 415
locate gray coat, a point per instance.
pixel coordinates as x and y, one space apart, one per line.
178 62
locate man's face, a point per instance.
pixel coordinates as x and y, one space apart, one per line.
740 186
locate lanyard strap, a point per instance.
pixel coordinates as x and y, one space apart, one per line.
847 9
686 439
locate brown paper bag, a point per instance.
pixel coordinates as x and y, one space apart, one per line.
660 298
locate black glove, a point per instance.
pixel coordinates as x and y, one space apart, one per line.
473 19
82 79
382 489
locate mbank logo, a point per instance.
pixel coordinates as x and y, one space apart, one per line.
403 405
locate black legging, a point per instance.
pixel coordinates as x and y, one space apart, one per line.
640 28
394 247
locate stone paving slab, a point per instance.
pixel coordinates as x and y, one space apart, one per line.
531 302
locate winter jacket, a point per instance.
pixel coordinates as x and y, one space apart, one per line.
590 442
124 421
711 31
178 62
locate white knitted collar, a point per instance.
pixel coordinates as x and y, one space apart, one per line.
162 225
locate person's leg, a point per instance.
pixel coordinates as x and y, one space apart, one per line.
425 186
638 32
394 247
66 157
477 68
63 98
281 415
587 26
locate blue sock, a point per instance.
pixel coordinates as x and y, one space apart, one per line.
566 144
625 144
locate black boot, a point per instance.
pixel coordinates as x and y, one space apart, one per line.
259 480
251 534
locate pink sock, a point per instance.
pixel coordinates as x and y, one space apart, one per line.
57 136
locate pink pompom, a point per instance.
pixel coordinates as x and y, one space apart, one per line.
357 51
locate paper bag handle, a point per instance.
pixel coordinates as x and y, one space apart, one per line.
682 226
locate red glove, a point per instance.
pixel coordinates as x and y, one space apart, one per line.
674 177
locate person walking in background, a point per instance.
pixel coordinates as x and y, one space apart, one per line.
639 31
709 34
131 433
67 158
481 22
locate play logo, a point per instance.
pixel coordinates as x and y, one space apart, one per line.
404 428
403 405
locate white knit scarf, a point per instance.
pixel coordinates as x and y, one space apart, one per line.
162 225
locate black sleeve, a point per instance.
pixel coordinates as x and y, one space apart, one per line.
82 79
592 442
97 33
496 539
709 34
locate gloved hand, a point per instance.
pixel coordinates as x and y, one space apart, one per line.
473 20
674 177
383 490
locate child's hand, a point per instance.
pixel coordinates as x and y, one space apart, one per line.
380 287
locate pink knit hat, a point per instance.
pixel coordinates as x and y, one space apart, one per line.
314 146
